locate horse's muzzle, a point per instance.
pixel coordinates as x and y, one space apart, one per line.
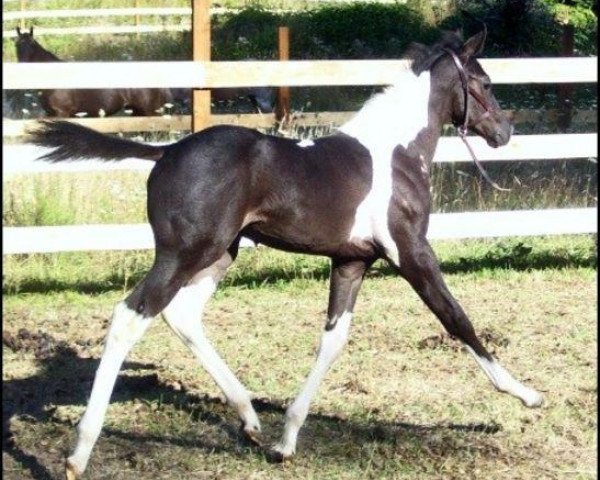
500 137
497 133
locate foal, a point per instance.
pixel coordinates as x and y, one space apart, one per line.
355 196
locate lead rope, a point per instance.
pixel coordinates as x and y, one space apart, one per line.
462 130
463 137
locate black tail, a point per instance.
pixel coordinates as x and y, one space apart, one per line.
75 142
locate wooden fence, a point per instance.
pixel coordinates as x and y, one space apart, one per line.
307 73
266 73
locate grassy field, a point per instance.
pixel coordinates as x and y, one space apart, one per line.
403 401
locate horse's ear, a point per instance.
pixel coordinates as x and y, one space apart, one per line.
19 31
31 30
473 46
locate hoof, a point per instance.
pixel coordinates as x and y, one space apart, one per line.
253 436
275 455
533 400
71 473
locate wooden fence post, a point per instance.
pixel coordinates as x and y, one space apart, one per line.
22 3
136 5
200 52
282 110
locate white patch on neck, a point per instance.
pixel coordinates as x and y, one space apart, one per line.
306 143
393 117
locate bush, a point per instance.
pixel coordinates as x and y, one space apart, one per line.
358 30
526 27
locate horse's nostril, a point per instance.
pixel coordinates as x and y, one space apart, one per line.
502 137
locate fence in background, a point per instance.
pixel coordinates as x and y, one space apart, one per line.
169 123
309 73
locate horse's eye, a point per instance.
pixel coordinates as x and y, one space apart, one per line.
486 85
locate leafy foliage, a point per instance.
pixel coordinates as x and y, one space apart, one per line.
359 30
330 31
526 27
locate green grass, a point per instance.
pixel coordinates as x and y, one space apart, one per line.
98 272
397 404
67 198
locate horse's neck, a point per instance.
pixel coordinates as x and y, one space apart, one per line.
44 55
398 116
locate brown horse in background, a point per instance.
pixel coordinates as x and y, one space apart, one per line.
108 101
93 102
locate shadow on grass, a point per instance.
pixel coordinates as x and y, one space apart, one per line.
514 256
65 378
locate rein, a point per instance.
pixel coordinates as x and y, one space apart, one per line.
462 130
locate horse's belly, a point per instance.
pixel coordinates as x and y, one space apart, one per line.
311 236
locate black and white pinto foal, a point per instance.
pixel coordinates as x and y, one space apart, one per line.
355 196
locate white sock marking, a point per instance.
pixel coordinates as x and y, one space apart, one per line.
126 329
332 343
184 316
505 382
394 117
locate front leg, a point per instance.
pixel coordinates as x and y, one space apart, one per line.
346 278
420 268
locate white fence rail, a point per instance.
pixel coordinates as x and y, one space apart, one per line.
95 12
25 240
186 25
292 73
20 158
42 31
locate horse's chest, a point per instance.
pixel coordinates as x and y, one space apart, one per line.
371 217
392 199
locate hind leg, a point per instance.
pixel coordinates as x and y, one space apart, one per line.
184 316
127 327
130 320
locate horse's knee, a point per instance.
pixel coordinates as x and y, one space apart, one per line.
150 298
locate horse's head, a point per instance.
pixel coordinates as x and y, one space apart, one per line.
25 44
463 87
481 114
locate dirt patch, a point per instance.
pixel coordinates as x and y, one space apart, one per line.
491 340
42 344
386 408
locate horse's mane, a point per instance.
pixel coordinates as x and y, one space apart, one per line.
423 57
